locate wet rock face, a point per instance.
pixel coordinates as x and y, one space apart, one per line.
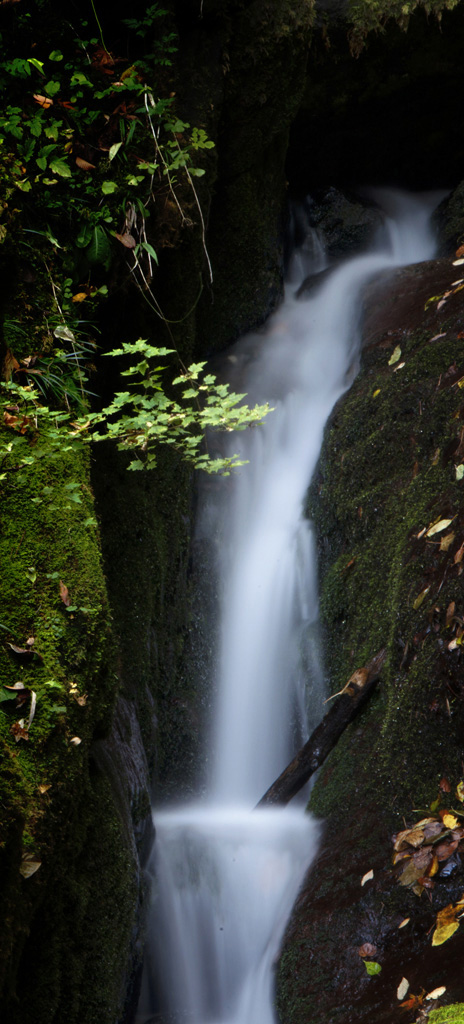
449 219
346 226
387 472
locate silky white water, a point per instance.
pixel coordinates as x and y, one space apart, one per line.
227 876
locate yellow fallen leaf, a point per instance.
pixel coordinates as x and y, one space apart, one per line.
376 392
450 821
446 925
447 541
396 355
367 877
460 791
420 597
438 527
404 922
80 297
457 263
402 989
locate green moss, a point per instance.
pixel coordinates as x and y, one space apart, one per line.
51 798
453 1014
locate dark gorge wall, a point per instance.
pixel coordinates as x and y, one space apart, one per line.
72 932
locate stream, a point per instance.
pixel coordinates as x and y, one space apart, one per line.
227 876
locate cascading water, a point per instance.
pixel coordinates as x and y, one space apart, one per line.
227 876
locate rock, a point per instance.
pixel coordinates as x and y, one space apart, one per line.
449 220
346 225
387 471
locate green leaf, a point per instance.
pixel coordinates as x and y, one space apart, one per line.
55 55
150 250
52 88
114 149
372 967
84 237
59 166
35 63
108 187
5 695
98 250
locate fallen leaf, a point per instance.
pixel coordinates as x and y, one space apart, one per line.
436 337
447 541
84 164
21 652
44 788
80 297
460 251
457 263
29 865
367 949
358 679
127 239
367 877
435 457
444 785
420 598
446 924
376 392
437 992
64 594
396 355
43 101
423 858
410 876
413 1003
372 967
75 741
460 791
459 555
433 829
449 820
18 731
32 709
438 527
399 367
413 836
402 989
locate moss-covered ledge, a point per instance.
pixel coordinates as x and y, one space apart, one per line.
61 926
387 473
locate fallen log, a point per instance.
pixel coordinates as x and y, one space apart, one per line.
324 738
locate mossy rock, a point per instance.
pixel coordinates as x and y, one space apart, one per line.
387 474
452 1014
58 810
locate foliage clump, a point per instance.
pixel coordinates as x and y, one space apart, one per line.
372 15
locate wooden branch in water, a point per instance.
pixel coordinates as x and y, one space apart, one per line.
326 735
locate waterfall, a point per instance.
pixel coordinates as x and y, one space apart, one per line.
227 876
